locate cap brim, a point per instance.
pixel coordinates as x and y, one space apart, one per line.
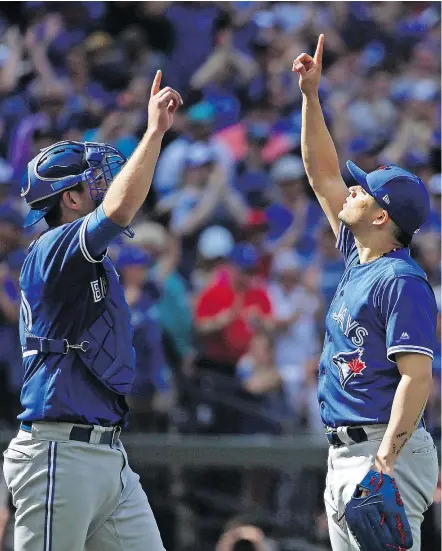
359 175
35 215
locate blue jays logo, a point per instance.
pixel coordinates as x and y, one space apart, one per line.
349 364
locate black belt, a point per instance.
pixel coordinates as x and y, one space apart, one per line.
357 434
83 434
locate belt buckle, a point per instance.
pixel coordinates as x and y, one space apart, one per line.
333 438
115 435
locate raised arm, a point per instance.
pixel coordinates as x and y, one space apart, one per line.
131 186
318 150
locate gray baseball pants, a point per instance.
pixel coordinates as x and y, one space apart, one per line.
416 473
76 496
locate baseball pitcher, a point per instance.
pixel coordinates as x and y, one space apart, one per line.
67 470
380 337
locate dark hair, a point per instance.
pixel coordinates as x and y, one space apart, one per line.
53 217
404 239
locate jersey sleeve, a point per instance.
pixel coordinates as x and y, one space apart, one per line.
70 249
409 309
345 242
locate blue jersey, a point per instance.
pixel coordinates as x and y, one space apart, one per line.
380 308
66 281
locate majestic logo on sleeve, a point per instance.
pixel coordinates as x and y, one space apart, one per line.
350 365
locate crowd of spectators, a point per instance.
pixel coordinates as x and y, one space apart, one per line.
233 265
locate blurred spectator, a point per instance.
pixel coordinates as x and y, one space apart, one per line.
173 303
198 127
297 308
215 244
262 383
139 52
114 130
331 265
11 371
190 48
252 171
231 310
223 74
255 231
151 370
11 227
204 197
297 216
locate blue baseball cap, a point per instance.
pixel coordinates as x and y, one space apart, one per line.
402 194
245 256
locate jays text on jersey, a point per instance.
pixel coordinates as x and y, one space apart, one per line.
380 308
70 293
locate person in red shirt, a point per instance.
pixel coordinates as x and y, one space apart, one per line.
228 312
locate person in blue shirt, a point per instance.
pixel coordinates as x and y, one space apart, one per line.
375 372
67 469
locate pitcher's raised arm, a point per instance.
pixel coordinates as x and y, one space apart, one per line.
318 150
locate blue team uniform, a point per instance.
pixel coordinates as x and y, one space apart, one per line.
88 387
380 308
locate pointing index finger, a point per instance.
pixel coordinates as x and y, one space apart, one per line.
319 49
156 83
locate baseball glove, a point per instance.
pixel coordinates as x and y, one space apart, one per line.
377 519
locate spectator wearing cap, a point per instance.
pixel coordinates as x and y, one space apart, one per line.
204 198
151 368
228 312
294 218
215 244
172 162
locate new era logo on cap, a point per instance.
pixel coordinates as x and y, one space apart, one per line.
386 199
405 336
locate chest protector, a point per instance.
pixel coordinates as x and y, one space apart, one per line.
109 353
105 346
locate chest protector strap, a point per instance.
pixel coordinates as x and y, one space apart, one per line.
53 346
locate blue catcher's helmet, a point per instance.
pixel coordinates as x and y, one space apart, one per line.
64 165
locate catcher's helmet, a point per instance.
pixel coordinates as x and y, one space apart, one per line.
64 165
